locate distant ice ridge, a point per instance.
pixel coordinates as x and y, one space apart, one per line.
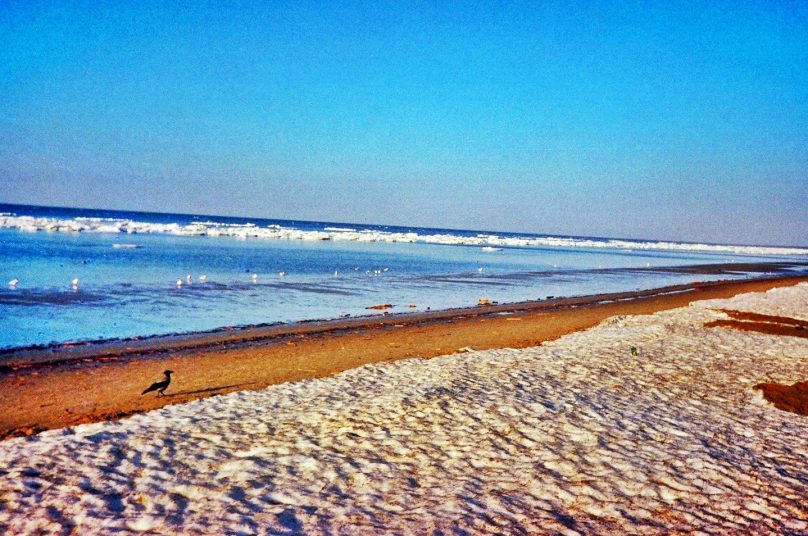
277 232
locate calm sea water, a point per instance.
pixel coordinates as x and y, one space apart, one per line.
128 265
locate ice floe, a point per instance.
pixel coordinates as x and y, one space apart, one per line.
575 436
277 232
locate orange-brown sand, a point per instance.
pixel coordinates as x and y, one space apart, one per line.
793 398
770 325
760 327
58 387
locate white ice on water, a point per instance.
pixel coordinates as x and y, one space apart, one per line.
575 436
277 232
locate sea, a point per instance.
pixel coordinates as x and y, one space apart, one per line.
72 274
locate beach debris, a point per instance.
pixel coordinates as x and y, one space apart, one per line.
484 301
13 283
126 246
465 350
381 306
634 351
411 305
160 386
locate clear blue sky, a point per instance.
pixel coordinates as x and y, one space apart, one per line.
686 120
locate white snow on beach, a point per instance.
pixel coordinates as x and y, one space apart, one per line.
777 303
575 436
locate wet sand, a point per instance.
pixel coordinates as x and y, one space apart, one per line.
60 386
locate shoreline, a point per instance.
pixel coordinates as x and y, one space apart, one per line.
150 343
234 337
61 386
641 424
12 358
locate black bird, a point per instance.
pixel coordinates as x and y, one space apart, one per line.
160 386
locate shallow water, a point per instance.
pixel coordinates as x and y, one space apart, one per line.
132 290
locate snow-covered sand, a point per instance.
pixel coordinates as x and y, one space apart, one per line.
576 436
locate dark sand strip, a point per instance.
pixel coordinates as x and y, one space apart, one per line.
757 317
54 387
767 328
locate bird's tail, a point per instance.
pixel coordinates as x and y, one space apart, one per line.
149 390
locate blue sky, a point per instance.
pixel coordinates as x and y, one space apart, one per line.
686 120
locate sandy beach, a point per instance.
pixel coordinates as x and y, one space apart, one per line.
644 423
273 268
71 384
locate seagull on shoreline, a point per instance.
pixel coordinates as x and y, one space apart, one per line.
75 283
203 278
13 283
160 386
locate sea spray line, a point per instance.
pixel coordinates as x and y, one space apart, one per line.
278 232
